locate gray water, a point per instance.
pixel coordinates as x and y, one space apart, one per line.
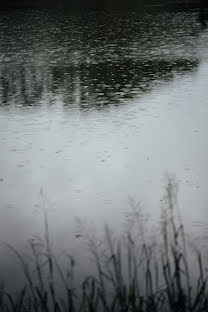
95 108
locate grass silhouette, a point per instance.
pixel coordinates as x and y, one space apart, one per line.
134 272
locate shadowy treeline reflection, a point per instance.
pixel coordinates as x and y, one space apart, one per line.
87 85
90 59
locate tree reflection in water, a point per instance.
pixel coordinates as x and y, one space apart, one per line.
90 85
90 59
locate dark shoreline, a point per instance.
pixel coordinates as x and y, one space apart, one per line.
132 5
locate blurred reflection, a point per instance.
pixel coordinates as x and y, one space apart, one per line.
90 85
90 59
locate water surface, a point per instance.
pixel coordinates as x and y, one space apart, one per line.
95 107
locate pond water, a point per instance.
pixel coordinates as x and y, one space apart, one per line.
94 108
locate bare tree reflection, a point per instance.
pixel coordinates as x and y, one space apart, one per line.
89 60
90 85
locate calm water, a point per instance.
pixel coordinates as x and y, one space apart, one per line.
95 108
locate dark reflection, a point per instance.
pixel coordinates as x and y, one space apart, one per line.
88 85
90 59
203 15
